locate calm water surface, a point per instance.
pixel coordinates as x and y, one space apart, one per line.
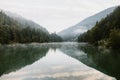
58 61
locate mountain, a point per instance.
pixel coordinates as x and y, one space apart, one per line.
20 30
106 32
16 29
24 22
73 32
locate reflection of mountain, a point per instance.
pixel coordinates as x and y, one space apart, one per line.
73 51
106 60
16 57
103 60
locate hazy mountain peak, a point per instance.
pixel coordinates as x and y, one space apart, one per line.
24 22
86 24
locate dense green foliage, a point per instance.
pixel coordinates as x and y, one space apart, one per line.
12 32
114 39
106 32
55 38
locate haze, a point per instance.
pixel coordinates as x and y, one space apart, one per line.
56 15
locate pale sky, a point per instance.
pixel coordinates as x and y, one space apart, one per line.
56 15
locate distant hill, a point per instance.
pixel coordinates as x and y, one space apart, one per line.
55 38
72 33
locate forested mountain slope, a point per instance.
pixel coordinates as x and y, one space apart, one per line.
24 22
74 31
106 32
13 31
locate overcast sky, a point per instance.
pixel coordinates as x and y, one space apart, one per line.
56 15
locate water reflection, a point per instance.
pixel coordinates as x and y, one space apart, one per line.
13 58
102 59
54 61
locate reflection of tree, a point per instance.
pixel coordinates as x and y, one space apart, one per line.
105 60
13 58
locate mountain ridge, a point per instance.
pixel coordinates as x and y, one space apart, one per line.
13 31
74 31
24 22
106 32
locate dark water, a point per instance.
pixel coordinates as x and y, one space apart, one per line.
58 61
